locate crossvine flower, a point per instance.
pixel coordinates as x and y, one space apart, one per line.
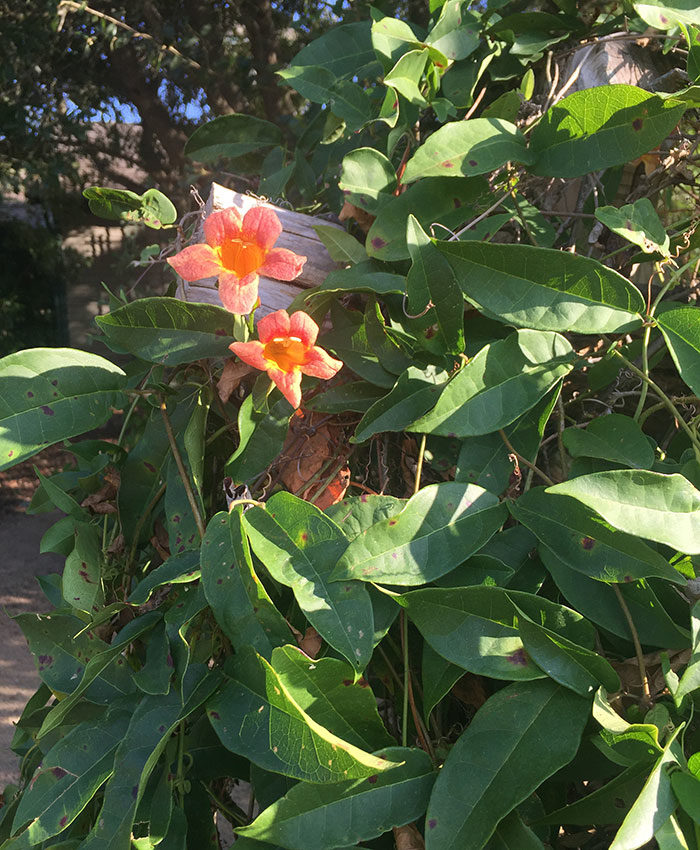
286 350
238 249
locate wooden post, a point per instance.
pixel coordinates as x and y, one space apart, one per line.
298 235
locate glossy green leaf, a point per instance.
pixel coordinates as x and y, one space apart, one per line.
391 38
236 596
581 670
655 804
598 602
342 247
358 396
262 436
665 15
82 579
485 460
638 223
503 381
686 787
436 530
255 716
432 200
50 394
544 289
615 437
315 817
477 627
151 725
690 680
431 283
314 82
299 545
231 136
364 277
355 514
414 394
600 127
663 508
326 691
577 537
437 678
367 178
153 208
343 50
456 32
466 148
499 761
681 330
168 331
671 836
406 75
512 834
348 340
69 775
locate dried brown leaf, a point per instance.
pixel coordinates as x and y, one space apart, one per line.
363 219
408 838
233 373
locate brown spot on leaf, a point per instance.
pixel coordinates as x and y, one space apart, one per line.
588 543
518 658
637 124
48 411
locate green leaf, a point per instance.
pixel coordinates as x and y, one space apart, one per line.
500 760
255 716
325 690
512 834
363 277
151 726
391 38
686 787
438 676
406 75
349 341
544 289
231 136
614 438
476 627
315 817
50 394
342 247
654 806
456 33
357 396
438 528
431 282
690 680
503 381
355 514
414 393
237 598
367 177
314 82
581 670
299 546
597 601
61 649
466 148
433 200
68 778
581 540
639 224
663 508
168 331
82 579
600 127
681 330
262 436
344 50
153 208
665 15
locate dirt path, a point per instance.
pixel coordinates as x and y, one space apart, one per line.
20 562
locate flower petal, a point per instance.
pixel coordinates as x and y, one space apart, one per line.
251 353
274 325
261 226
289 384
196 262
304 327
320 364
282 264
238 295
222 225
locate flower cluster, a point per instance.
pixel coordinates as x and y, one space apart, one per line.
286 350
237 251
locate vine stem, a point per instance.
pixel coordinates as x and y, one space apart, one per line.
637 645
406 678
181 470
524 460
419 465
664 398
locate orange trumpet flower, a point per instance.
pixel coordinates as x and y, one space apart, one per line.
286 351
237 250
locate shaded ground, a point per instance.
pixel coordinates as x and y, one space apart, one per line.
20 562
